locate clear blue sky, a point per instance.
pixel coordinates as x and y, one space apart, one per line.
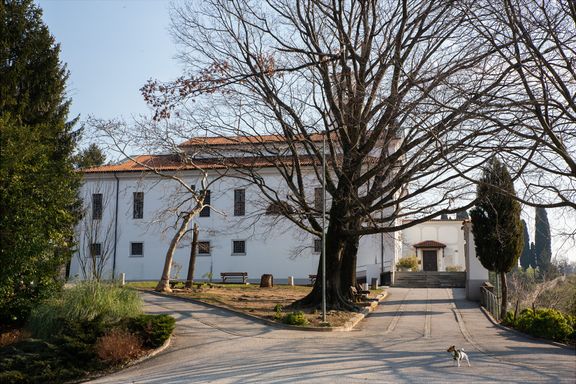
111 47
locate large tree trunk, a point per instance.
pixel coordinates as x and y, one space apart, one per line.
341 252
504 302
193 251
348 272
164 283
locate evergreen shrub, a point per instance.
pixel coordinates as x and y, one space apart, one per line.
546 323
295 318
153 330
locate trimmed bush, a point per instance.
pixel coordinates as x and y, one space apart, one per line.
408 262
86 301
295 318
546 323
153 330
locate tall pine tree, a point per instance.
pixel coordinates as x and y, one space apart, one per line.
496 224
542 240
38 186
526 256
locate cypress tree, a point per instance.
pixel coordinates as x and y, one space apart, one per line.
542 240
496 224
38 186
526 256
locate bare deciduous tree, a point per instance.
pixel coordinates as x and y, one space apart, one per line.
188 201
397 90
95 237
536 41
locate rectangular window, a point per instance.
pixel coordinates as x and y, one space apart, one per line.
203 248
138 205
239 202
205 212
317 245
137 249
318 199
96 206
95 250
238 247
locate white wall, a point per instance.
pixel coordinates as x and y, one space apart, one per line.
273 245
448 232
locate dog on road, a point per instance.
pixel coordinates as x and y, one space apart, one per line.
458 355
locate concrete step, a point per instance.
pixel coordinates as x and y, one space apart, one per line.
430 279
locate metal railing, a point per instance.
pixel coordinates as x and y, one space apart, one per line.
490 301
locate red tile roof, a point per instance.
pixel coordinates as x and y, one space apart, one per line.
232 140
144 163
429 244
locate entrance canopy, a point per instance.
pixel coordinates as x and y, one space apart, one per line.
429 244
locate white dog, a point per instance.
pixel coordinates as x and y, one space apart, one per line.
458 354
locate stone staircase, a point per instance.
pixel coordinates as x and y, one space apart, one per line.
430 279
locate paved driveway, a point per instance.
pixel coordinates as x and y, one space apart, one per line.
403 341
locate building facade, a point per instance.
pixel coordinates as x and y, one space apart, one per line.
439 245
131 216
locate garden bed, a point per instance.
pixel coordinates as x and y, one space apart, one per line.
272 303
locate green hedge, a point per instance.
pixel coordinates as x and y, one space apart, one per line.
547 323
153 330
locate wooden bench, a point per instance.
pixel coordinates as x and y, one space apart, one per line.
358 295
312 279
234 275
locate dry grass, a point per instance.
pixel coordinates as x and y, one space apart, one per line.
12 336
119 346
261 302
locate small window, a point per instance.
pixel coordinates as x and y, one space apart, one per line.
238 247
138 205
278 208
318 199
203 248
205 212
317 245
239 202
96 206
95 250
137 249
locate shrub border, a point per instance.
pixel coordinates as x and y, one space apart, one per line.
520 333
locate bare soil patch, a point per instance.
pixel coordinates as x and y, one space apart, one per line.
265 302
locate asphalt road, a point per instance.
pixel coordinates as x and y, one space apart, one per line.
403 341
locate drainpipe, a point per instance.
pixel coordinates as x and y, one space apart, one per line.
115 226
381 245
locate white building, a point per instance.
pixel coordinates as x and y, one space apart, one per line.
438 244
131 218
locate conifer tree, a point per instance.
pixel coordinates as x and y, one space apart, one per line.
542 240
496 224
38 185
92 156
526 256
